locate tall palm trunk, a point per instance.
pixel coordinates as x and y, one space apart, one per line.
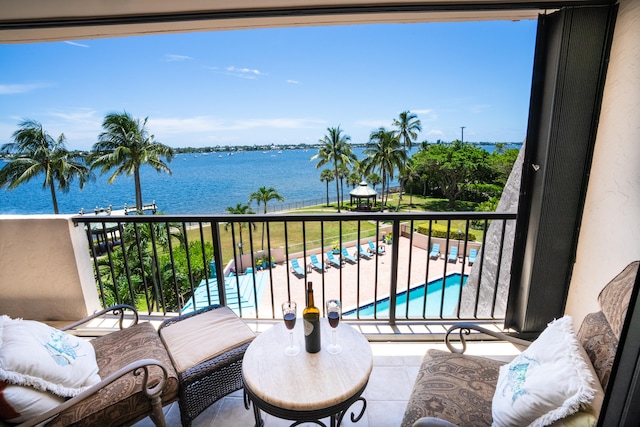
384 180
53 197
263 224
335 168
136 177
327 192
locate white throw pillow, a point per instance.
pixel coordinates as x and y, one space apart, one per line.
19 403
550 380
47 359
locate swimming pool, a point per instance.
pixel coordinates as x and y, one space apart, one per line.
451 287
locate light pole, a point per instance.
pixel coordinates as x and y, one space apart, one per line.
462 129
459 237
240 258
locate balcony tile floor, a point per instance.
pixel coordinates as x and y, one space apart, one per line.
395 369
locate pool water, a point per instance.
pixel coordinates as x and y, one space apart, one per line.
435 298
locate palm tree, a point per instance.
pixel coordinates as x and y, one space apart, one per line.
336 150
384 152
374 179
263 195
353 179
125 144
36 152
240 209
408 125
328 176
408 175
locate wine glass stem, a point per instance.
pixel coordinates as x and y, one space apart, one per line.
290 339
333 337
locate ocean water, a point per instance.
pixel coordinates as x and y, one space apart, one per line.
199 184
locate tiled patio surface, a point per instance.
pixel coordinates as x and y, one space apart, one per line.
394 372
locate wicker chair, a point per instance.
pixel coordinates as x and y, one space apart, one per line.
218 370
143 370
457 389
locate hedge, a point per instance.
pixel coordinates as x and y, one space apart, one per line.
438 230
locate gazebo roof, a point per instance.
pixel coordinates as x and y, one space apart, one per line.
363 190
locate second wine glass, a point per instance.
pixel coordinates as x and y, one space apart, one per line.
334 311
289 315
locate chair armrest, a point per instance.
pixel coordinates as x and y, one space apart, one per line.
140 367
117 310
466 328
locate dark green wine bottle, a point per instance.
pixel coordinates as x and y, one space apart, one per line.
311 319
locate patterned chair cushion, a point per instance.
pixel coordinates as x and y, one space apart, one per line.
454 387
600 343
614 298
123 400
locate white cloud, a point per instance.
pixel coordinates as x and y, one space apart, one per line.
295 82
77 44
435 132
20 88
176 58
81 115
81 126
425 111
246 73
198 124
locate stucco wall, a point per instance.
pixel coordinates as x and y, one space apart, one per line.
45 269
610 232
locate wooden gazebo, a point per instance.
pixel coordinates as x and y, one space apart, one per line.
362 195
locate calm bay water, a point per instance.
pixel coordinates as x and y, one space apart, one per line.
200 184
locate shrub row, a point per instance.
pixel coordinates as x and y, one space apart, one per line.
438 230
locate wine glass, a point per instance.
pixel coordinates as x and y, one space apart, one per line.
333 315
289 315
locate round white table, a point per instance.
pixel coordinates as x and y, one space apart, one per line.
306 387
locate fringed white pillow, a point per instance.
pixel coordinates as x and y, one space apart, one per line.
551 379
19 403
47 359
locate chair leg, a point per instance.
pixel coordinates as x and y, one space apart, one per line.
157 416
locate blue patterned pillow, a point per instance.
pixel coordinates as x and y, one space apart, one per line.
551 379
47 359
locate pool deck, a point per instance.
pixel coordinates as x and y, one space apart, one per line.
326 284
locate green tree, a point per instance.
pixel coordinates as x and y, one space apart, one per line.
327 175
35 153
407 127
453 167
239 209
383 153
374 179
501 162
353 180
264 195
335 150
409 176
125 144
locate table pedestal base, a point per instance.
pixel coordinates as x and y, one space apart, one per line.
335 413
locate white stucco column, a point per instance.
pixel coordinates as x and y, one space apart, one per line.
45 268
610 231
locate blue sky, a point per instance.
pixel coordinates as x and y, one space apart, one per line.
280 86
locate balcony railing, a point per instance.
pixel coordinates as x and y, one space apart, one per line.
167 263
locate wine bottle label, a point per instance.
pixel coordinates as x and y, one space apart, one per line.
308 328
